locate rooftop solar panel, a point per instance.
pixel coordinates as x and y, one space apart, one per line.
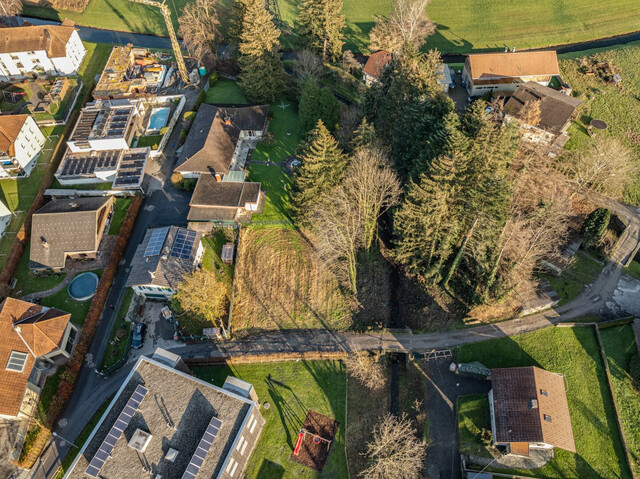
109 442
158 236
203 448
183 244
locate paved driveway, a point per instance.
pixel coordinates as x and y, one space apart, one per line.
443 459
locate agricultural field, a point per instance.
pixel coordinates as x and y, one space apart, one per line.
281 284
463 26
291 389
620 346
618 106
573 352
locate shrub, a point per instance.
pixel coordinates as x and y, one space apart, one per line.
30 439
634 371
164 130
595 226
199 100
213 79
189 115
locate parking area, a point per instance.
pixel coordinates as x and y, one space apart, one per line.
443 459
459 94
159 332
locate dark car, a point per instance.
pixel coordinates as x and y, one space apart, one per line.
138 335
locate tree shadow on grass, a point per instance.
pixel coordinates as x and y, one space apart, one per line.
291 410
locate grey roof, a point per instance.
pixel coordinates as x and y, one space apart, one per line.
161 269
556 108
65 226
87 164
172 397
214 135
210 192
103 119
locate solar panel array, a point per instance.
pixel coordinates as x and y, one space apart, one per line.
203 448
156 241
131 170
105 449
113 123
88 164
183 244
84 125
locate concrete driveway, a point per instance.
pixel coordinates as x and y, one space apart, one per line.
443 459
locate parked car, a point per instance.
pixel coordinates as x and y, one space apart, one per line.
166 313
138 335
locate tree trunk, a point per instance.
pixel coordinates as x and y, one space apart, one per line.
458 258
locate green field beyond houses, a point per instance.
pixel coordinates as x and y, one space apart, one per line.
463 26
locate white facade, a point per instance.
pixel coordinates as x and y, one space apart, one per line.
5 218
27 148
17 65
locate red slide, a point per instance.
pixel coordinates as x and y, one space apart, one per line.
298 444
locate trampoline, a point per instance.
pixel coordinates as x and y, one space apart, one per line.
83 286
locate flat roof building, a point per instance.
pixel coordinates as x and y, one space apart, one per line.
165 423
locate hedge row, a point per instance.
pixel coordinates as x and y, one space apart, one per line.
68 379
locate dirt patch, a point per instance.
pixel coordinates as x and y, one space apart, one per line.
281 284
317 434
427 308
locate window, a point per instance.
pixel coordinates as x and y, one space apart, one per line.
253 426
544 393
14 57
16 362
547 418
240 443
232 464
233 471
19 65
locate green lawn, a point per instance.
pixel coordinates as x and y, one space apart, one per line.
620 345
473 418
115 352
49 389
619 107
226 91
29 282
463 26
152 140
633 269
120 208
18 195
570 283
300 386
574 353
211 260
62 301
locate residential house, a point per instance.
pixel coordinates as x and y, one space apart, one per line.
33 338
505 72
376 63
220 139
105 125
163 422
163 258
124 169
222 203
529 410
67 228
556 109
21 143
40 49
5 218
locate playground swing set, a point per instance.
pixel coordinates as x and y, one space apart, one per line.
316 440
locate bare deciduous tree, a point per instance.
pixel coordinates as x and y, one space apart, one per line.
395 451
604 166
530 114
350 118
349 62
10 8
373 187
307 67
408 24
199 28
339 235
367 368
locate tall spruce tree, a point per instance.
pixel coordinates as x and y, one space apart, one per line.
317 104
364 136
261 68
320 24
322 166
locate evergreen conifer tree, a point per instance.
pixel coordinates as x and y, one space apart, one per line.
322 166
320 24
317 104
261 69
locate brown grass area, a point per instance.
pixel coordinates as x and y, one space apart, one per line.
427 308
281 284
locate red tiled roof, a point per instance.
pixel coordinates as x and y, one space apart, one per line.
376 63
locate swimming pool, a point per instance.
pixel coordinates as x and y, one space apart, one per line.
83 286
158 119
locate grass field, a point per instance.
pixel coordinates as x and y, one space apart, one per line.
281 284
633 269
620 345
463 26
300 386
574 353
473 418
120 208
18 195
115 352
226 91
62 301
619 107
570 283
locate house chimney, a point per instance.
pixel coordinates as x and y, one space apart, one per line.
45 245
506 49
48 35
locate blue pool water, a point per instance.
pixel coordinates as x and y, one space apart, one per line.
158 118
83 286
